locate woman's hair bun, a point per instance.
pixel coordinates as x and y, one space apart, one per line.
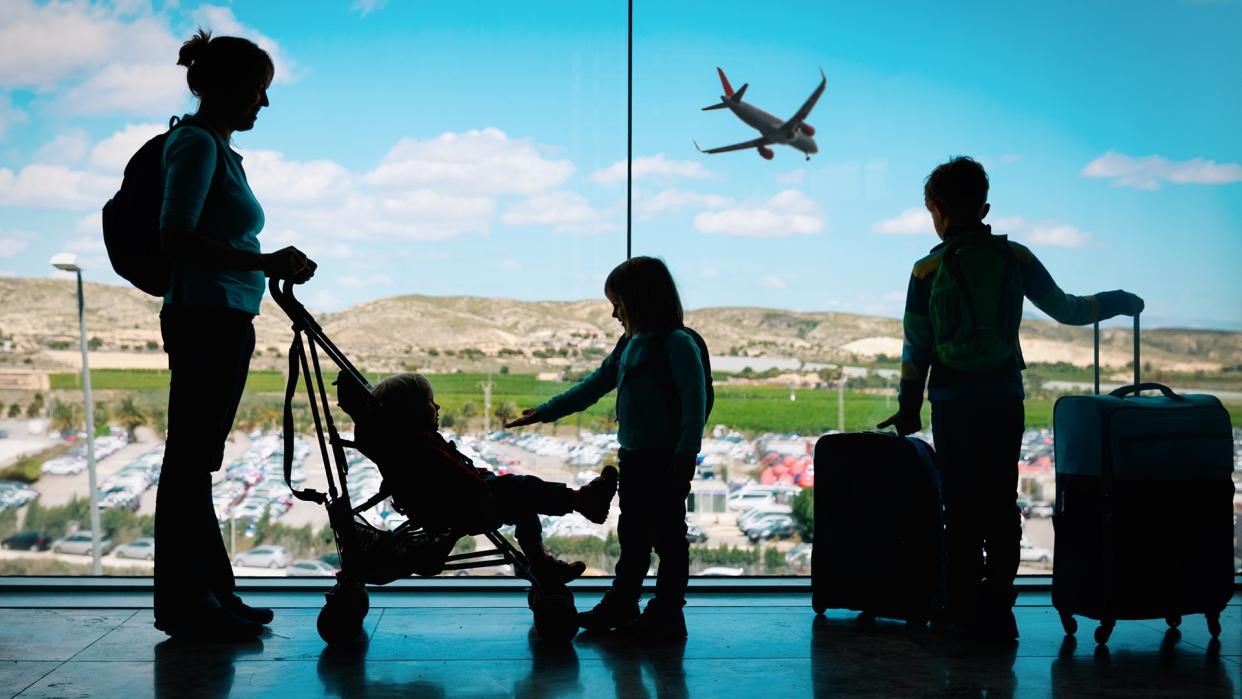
193 49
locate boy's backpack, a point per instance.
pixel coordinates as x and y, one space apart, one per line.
131 218
664 370
976 303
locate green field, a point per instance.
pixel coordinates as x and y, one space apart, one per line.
752 408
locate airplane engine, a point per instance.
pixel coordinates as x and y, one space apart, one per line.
766 152
808 129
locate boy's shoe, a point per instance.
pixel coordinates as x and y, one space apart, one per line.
553 571
658 623
211 624
593 499
233 603
610 613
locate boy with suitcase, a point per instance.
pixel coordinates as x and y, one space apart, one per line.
963 311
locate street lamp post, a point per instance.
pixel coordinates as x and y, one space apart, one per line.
67 262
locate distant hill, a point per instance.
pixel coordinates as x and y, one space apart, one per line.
39 317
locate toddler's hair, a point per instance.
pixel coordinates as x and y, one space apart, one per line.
648 294
401 393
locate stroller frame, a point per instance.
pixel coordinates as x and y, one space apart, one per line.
347 603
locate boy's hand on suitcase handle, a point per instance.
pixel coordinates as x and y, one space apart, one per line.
529 417
1118 302
904 424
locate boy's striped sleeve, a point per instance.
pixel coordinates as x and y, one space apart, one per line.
1039 287
918 343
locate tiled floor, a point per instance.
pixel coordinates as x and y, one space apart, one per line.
480 644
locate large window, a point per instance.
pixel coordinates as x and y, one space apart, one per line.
461 180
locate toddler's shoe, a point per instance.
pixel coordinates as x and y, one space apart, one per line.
552 571
594 498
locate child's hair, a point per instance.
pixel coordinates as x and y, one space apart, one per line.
958 188
646 291
401 393
215 65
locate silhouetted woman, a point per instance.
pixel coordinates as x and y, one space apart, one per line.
209 226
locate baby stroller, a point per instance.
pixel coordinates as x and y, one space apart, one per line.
369 555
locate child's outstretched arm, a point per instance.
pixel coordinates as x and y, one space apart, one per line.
577 398
1039 287
916 355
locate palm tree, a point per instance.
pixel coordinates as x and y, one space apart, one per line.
131 415
65 417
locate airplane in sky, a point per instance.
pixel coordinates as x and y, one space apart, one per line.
795 132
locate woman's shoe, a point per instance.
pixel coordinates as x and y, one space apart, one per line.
233 603
211 624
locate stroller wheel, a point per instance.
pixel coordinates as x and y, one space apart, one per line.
556 618
344 608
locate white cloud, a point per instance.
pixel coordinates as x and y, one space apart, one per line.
67 148
55 187
11 246
277 180
1149 172
772 281
916 221
1057 235
114 152
674 200
41 44
550 208
142 88
483 161
792 178
1007 224
366 7
786 214
91 224
9 115
648 166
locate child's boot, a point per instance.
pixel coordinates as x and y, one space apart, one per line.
660 622
611 612
594 498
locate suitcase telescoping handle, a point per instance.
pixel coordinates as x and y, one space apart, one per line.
1138 384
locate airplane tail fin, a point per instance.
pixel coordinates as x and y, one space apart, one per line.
737 97
724 82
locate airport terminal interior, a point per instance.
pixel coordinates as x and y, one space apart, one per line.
473 643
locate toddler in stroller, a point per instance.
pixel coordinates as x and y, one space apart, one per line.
439 488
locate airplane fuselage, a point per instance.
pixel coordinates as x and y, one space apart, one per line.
770 126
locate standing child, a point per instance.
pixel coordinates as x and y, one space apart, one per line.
657 369
963 309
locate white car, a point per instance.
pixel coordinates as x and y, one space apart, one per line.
138 548
723 570
264 557
310 568
64 466
80 543
1031 553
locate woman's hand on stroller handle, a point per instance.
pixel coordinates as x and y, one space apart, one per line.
289 263
529 417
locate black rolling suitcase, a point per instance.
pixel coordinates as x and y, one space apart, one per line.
879 529
1144 511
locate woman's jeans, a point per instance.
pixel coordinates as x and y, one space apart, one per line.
209 352
653 516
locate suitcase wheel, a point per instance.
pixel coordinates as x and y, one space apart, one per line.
1213 623
1103 631
819 608
1069 623
1173 620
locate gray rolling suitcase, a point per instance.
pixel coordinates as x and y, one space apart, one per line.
1144 509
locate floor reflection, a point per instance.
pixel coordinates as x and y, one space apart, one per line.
199 669
642 671
1173 667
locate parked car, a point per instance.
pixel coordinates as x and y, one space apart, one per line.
309 569
63 466
798 558
27 541
781 527
138 548
264 557
723 570
695 535
1034 554
80 543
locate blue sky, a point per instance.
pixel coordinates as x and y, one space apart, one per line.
413 148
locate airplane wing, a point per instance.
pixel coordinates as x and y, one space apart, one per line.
736 146
807 106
